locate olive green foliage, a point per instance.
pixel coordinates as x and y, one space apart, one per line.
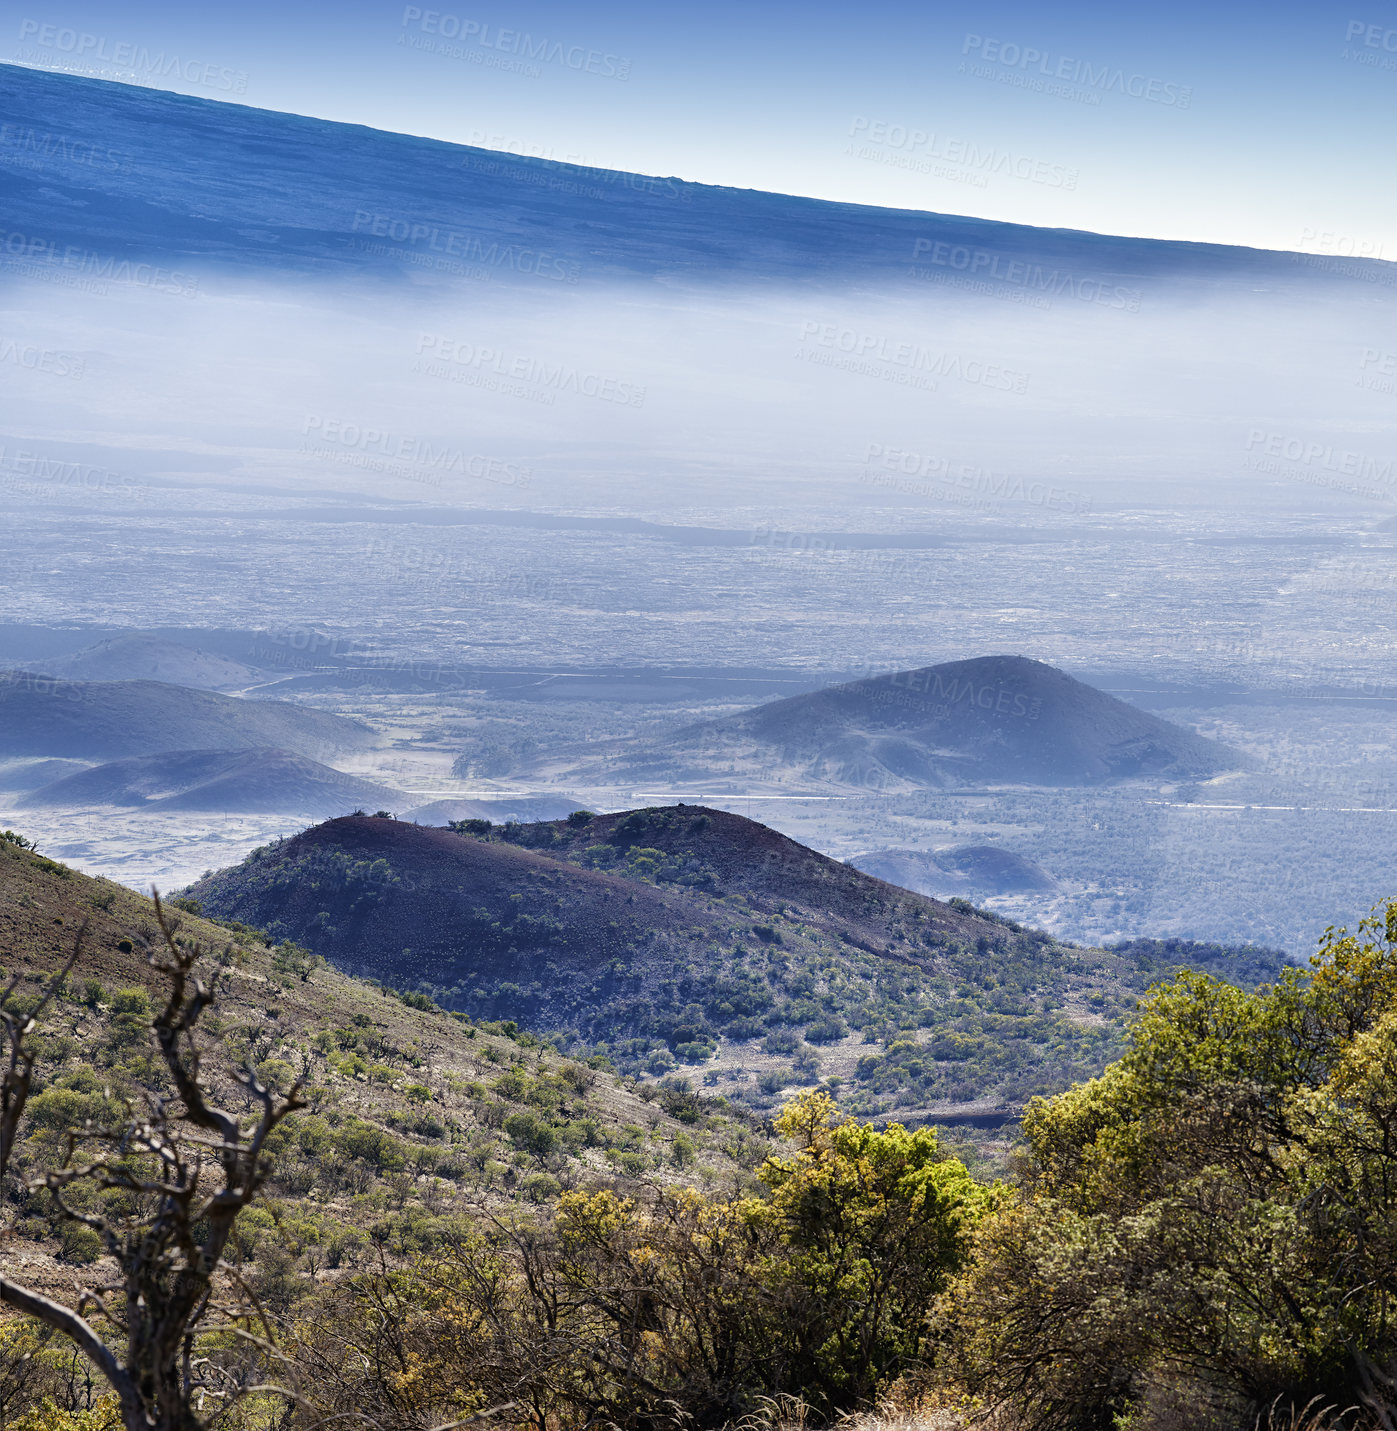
679 1308
868 1224
1211 1224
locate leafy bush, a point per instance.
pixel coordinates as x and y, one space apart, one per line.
79 1245
829 1030
1211 1225
531 1134
683 1310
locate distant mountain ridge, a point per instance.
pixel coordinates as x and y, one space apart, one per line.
325 198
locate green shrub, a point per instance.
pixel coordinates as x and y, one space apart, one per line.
1229 1183
829 1030
79 1245
530 1134
541 1187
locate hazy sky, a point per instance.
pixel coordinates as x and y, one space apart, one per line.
1248 123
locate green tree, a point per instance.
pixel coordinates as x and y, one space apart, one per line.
871 1224
157 1189
1211 1224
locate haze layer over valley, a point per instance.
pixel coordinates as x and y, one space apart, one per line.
513 460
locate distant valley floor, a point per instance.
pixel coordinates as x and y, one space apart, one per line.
1271 856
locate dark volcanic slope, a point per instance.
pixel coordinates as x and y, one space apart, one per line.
714 852
410 904
105 720
642 881
996 719
676 931
243 780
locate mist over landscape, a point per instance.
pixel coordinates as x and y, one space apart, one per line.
543 439
635 623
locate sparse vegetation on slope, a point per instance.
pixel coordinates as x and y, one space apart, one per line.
416 1119
463 1218
682 936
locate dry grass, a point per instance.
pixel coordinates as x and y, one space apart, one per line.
790 1413
1313 1416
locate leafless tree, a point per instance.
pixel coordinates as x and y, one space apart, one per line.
171 1178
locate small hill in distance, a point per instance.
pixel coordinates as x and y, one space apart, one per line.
993 720
969 871
43 715
255 780
137 657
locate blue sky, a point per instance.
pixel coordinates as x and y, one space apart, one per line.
1267 125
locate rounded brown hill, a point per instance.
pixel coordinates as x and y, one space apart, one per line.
660 933
993 719
552 903
666 933
400 902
